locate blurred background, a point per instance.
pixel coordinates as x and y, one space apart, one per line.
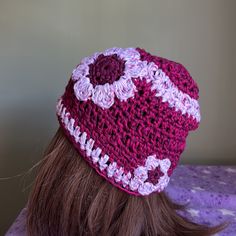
42 41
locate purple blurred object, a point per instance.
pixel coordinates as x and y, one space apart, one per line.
210 192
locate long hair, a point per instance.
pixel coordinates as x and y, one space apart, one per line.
70 198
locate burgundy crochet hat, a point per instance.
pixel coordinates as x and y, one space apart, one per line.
128 114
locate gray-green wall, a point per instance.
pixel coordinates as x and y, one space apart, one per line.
42 41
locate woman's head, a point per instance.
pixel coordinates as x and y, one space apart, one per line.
70 198
124 118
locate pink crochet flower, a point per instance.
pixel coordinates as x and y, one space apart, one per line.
100 67
139 181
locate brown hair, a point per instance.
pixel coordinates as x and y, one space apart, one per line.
70 198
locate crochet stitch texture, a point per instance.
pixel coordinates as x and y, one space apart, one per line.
128 114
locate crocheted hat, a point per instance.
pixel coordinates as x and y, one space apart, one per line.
128 113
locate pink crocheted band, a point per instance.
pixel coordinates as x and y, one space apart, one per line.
128 114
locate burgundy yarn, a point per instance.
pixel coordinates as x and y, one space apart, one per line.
130 130
106 69
154 175
143 126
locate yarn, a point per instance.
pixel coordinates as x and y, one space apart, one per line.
128 114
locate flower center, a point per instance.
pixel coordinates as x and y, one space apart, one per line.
154 175
106 69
